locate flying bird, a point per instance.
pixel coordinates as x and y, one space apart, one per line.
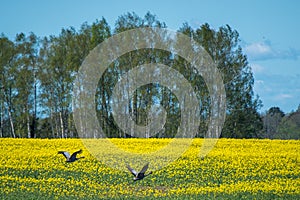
141 174
71 158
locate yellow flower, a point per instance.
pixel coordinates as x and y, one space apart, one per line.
234 167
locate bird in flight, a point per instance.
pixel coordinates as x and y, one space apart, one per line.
141 174
71 158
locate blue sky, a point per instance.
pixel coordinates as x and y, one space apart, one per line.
269 31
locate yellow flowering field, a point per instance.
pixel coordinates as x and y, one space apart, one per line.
234 169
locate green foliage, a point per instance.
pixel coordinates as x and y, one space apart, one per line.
18 85
37 78
289 128
271 121
7 81
243 120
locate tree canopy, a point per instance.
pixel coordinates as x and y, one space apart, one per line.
37 76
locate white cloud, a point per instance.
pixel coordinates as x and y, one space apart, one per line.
259 82
264 50
281 97
258 48
278 90
256 68
258 51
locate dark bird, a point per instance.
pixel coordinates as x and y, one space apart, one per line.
71 158
141 174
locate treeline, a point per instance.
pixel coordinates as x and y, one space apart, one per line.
278 124
37 76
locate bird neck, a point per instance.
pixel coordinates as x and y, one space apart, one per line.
148 173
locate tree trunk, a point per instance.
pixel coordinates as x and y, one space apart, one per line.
33 125
1 119
11 124
28 122
51 123
9 114
61 125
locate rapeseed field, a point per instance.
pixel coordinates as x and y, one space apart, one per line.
234 169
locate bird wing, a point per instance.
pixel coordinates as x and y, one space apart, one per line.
65 153
144 169
73 156
134 173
